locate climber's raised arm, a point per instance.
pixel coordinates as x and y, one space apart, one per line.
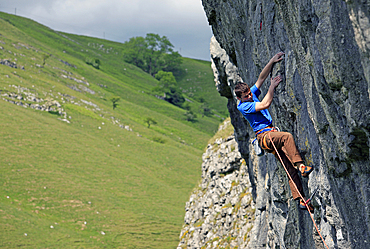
266 70
267 100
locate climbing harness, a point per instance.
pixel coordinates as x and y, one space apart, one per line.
268 128
305 202
257 148
264 143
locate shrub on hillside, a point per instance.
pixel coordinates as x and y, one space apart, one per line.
168 85
159 140
93 62
114 101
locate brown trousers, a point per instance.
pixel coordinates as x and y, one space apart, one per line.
284 142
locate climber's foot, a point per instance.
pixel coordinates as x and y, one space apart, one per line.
305 170
303 206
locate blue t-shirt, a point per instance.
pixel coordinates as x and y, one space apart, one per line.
258 120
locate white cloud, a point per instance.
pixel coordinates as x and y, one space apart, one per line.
182 21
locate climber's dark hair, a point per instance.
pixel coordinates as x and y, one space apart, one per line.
240 88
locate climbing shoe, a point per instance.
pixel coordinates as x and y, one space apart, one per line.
303 206
305 170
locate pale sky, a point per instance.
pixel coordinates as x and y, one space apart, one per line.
183 22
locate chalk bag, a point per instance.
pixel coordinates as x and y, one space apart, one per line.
257 148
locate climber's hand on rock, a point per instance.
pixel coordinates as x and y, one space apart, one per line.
277 57
275 81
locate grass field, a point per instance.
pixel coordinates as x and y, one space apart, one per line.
61 175
83 175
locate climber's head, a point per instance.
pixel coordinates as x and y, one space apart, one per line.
242 92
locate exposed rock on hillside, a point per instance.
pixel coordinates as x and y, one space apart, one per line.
8 63
323 101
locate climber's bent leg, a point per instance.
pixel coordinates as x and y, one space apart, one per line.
285 141
293 172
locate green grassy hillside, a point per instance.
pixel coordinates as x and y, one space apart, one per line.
74 172
198 83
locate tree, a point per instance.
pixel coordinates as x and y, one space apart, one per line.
166 80
149 121
152 54
168 85
114 101
171 62
135 51
190 116
206 111
44 58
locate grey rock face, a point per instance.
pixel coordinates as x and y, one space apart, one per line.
323 101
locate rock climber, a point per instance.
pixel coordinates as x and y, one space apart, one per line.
256 112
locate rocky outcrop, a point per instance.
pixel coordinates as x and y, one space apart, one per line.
26 98
220 210
8 63
323 101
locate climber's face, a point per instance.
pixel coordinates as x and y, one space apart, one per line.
247 96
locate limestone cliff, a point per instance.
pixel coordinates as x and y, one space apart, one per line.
323 101
219 212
